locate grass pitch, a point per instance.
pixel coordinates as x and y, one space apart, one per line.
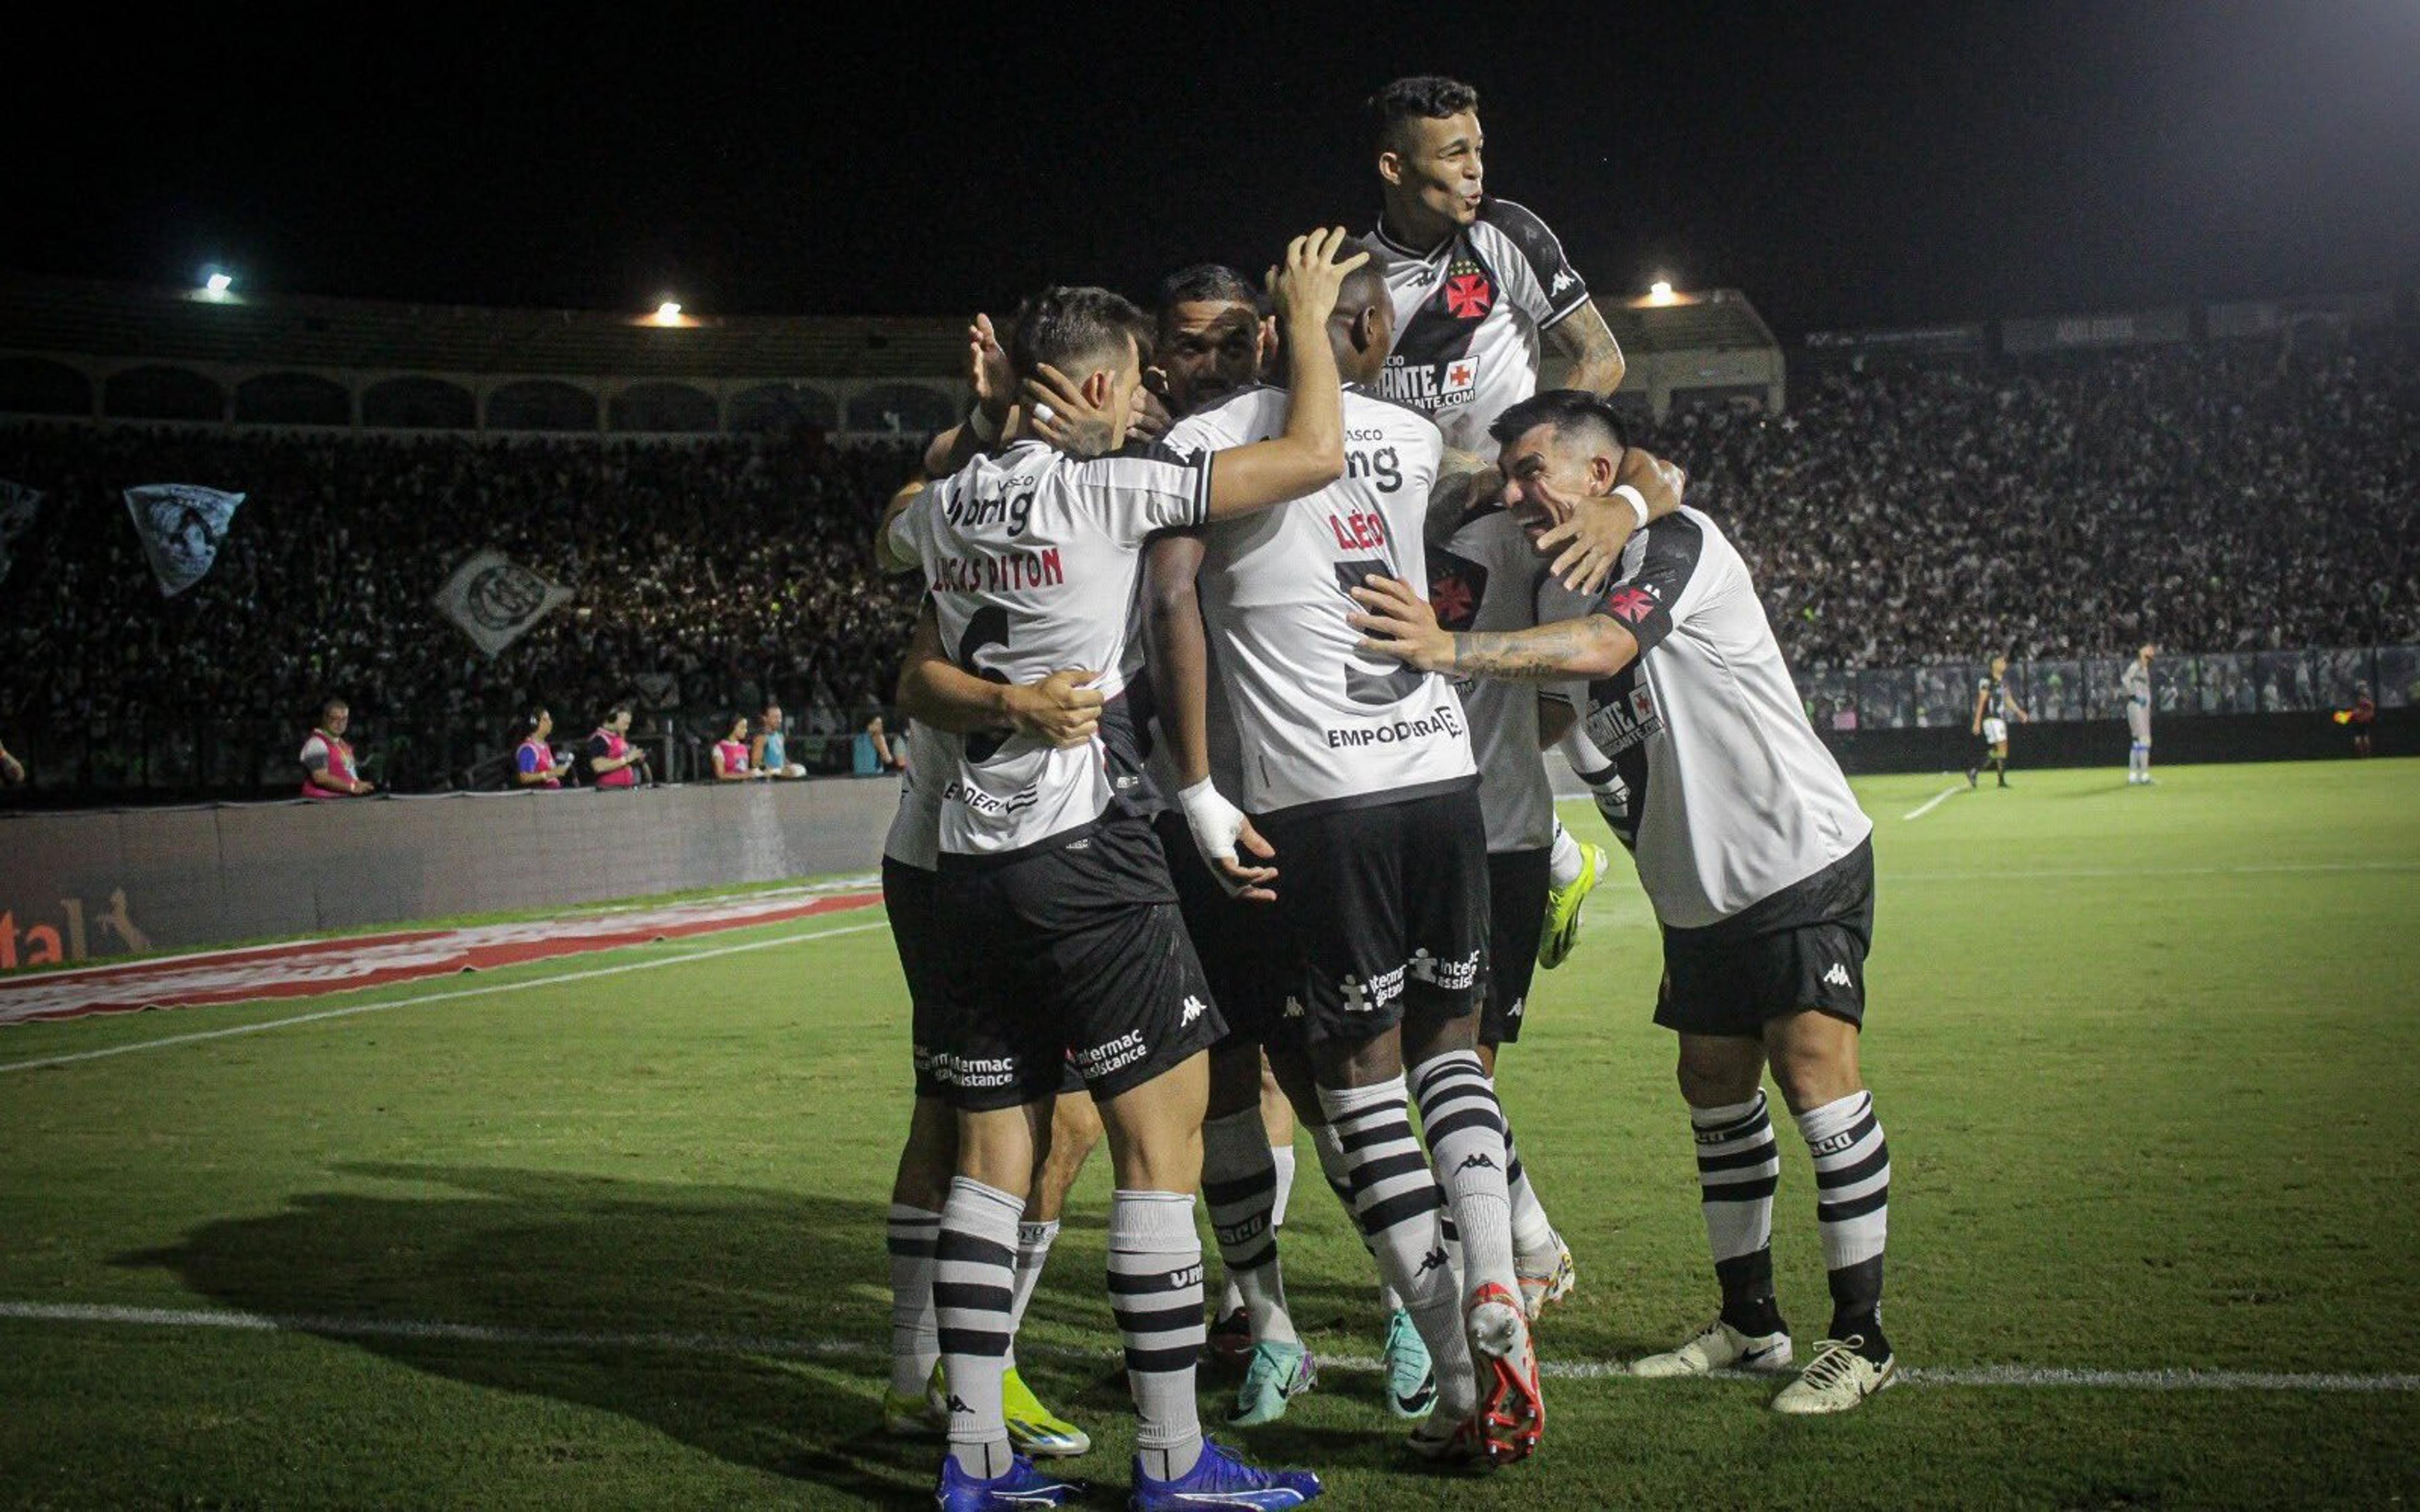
2141 1056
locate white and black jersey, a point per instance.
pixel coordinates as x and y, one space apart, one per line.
915 835
1468 317
1319 721
1033 558
1734 798
1487 577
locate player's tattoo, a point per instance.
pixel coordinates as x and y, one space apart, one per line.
1090 436
1565 648
1581 353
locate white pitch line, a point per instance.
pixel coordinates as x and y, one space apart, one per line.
424 1331
481 991
2280 867
1931 803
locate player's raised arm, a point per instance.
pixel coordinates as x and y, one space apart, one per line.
1062 709
894 548
1309 455
995 393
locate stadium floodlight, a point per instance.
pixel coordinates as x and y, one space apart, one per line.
668 313
217 281
1660 291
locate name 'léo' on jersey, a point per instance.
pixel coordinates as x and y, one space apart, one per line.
1031 558
1319 721
1468 314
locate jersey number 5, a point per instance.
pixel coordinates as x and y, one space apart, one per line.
988 627
1373 690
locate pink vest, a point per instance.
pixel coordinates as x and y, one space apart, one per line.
340 773
545 763
734 754
624 776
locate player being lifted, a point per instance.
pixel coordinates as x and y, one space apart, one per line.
1994 706
1759 867
1484 299
1062 931
2136 682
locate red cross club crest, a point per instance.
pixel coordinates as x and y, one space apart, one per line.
1468 295
1630 605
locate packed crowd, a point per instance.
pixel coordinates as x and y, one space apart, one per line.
2210 498
738 569
2222 498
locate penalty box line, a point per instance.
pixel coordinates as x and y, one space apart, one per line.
486 989
1988 1376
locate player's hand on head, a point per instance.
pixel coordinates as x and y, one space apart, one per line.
987 370
1064 709
1057 411
1590 543
1398 623
1148 418
1305 287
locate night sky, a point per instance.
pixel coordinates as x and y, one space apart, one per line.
1844 163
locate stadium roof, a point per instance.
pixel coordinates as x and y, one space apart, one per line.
101 319
1713 320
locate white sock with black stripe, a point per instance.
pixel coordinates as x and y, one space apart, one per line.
1853 1209
1282 1158
1034 1241
915 1341
974 1268
1336 1168
1465 1130
1396 1201
1738 1166
1239 1182
1532 1234
1156 1290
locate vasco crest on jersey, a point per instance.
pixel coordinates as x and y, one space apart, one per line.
1468 293
1623 713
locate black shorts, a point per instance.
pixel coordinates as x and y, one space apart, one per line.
1231 937
1805 946
1517 917
1378 905
1072 952
911 895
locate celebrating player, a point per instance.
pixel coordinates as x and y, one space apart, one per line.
1361 780
1761 869
1995 705
1064 937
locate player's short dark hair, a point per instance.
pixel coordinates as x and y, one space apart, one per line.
1366 285
332 703
1207 283
1563 410
1426 96
1075 329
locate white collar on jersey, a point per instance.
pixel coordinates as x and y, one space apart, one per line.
1395 248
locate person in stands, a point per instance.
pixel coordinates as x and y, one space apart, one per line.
771 750
328 770
731 760
536 764
612 760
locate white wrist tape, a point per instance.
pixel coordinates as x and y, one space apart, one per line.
1214 821
1637 501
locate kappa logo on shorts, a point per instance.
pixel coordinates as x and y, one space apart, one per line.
1518 1004
1837 976
1194 1009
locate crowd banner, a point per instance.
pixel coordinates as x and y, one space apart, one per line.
181 525
494 600
19 504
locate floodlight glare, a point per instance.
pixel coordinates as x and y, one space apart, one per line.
1660 291
218 282
668 312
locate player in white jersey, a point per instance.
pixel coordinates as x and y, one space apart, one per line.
2136 682
1759 864
1358 772
1063 930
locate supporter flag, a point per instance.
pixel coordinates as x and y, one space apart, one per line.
495 601
18 506
182 526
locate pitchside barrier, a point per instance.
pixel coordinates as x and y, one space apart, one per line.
97 882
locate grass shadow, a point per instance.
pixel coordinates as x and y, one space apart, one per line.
686 1298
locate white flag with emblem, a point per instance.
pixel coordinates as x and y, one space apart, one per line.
495 601
19 504
181 525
